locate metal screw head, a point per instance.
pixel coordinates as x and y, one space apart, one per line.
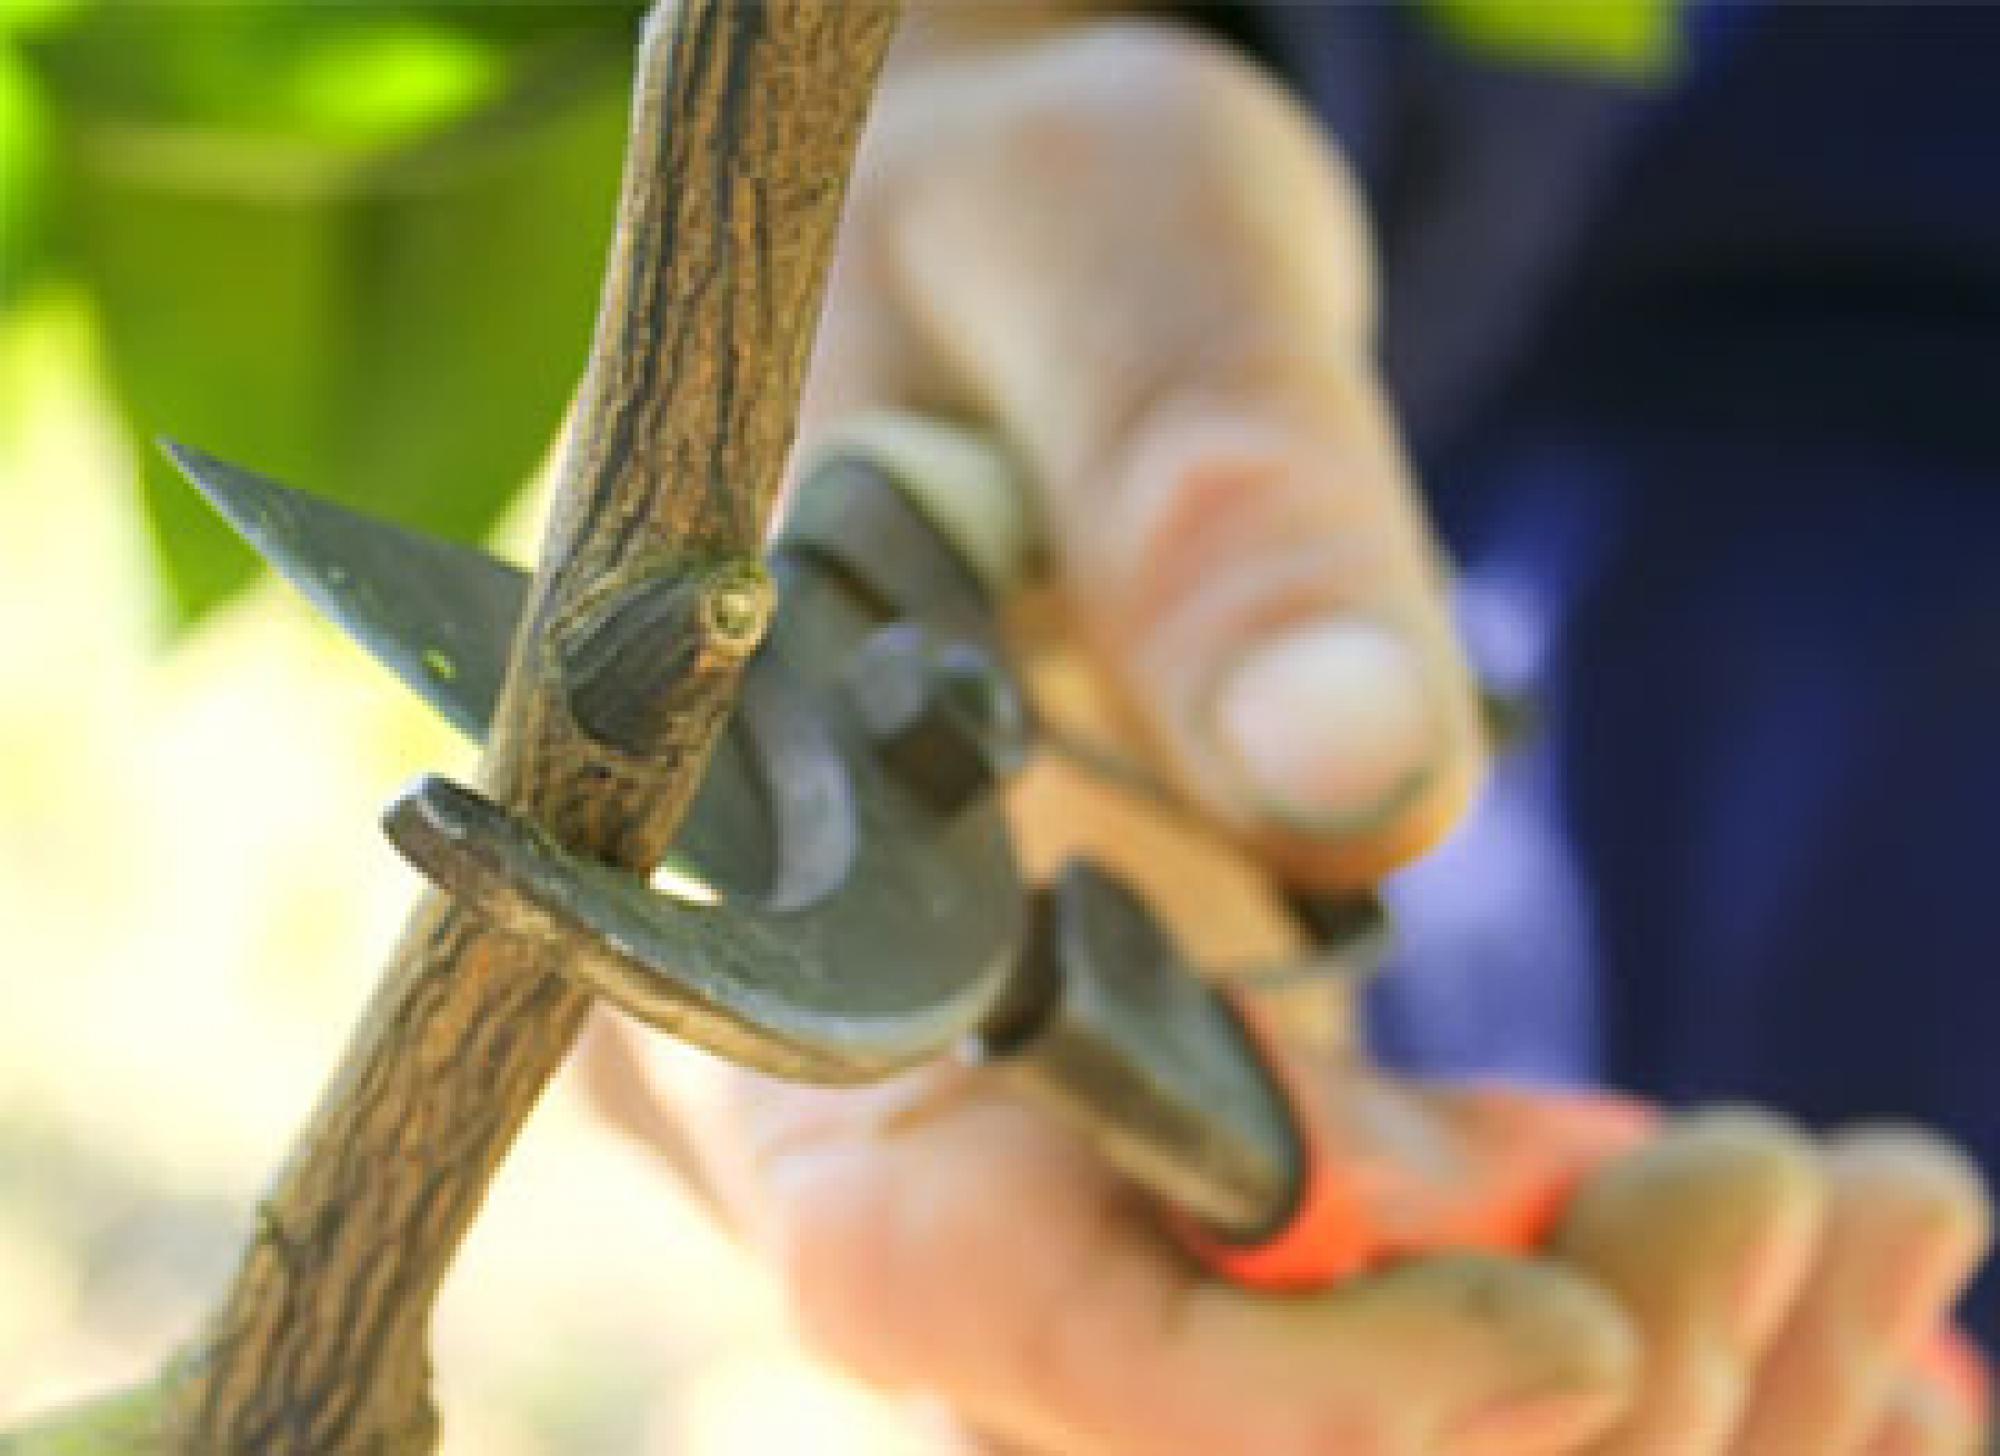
946 718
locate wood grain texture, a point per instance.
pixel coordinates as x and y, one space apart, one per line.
745 120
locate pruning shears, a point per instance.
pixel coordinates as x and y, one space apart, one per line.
843 902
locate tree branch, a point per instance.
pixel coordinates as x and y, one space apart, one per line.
745 119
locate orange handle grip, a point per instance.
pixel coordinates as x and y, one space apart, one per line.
1505 1162
1516 1156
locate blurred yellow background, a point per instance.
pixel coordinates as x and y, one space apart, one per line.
194 902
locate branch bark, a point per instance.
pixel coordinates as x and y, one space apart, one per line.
745 118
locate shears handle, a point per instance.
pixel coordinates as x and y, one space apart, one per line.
1514 1157
1504 1161
1492 1171
1505 1168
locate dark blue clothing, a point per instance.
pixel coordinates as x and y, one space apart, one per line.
1703 379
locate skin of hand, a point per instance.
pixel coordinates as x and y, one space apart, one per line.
1135 259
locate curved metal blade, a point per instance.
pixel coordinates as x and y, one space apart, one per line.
439 615
858 931
897 967
442 617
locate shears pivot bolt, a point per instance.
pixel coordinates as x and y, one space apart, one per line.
945 717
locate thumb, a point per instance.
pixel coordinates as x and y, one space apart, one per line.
1263 589
1185 369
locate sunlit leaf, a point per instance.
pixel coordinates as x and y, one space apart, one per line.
359 75
376 294
23 173
1628 40
28 17
370 81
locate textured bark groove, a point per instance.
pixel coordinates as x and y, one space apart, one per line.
745 118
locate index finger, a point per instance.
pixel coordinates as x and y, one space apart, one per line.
1091 261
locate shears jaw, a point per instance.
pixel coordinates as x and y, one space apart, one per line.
439 615
687 960
868 911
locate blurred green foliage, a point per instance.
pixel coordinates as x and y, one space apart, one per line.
353 245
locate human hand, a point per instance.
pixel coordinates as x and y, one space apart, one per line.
1138 263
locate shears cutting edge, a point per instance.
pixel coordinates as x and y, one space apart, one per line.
843 902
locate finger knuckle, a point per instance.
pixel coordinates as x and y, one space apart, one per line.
1164 61
823 1252
1762 1154
1531 1309
1104 87
1935 1183
1715 1180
